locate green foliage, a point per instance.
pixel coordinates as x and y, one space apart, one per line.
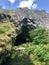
42 53
39 36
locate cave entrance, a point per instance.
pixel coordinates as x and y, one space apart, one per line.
23 37
25 28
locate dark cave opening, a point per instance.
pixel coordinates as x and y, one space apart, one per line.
23 37
25 28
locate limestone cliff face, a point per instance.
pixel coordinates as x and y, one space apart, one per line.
15 26
40 17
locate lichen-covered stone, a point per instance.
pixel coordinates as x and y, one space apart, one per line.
7 36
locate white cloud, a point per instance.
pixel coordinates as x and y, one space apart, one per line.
11 1
28 3
4 7
34 6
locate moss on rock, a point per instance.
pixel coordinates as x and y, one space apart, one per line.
7 36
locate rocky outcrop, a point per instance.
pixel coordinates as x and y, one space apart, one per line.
7 38
4 17
39 17
25 22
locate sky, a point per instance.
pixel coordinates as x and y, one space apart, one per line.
31 4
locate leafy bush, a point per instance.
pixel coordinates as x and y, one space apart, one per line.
39 36
42 53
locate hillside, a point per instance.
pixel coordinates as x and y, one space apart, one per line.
39 17
24 37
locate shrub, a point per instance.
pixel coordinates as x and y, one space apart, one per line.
39 36
42 53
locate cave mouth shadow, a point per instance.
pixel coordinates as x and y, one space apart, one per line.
21 39
24 36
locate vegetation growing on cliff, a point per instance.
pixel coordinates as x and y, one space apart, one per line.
29 53
33 42
7 35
